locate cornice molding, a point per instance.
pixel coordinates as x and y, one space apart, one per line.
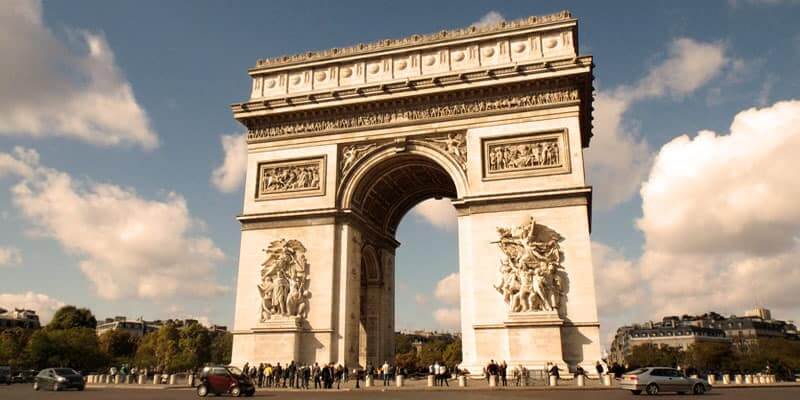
414 40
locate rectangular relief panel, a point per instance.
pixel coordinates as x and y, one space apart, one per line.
524 155
291 178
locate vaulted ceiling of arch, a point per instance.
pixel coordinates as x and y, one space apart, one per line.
386 194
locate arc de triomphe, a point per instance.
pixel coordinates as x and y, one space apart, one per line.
342 143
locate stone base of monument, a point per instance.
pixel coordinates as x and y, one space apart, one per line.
277 338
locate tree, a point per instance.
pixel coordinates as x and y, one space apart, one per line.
76 348
221 347
167 347
452 353
709 357
118 344
146 351
195 347
71 317
649 354
12 347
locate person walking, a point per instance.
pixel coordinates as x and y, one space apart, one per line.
316 375
599 368
385 372
444 375
503 373
339 376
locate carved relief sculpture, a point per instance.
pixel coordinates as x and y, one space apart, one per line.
290 178
352 153
455 144
284 281
526 155
531 277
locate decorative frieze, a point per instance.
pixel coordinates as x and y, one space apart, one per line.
291 178
389 113
531 277
454 144
352 153
526 155
284 281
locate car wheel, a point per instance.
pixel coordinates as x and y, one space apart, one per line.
202 390
36 386
236 392
699 389
636 392
652 389
56 387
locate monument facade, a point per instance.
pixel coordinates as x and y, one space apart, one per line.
343 143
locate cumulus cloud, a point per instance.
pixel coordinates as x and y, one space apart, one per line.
18 164
448 289
44 305
720 215
618 280
490 18
130 247
439 213
689 65
229 176
10 256
48 88
448 318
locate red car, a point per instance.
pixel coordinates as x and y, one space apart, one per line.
224 380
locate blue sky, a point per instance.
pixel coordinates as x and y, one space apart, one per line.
167 71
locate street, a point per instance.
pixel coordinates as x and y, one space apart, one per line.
25 392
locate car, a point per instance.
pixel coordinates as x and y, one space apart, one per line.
224 380
5 375
654 380
58 379
24 376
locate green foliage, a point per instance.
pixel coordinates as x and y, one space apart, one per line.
76 348
442 349
119 345
12 347
145 356
452 353
649 355
72 317
709 356
221 347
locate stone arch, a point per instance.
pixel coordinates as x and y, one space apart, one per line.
426 170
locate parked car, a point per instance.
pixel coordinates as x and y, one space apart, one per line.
224 380
58 379
5 375
24 376
654 380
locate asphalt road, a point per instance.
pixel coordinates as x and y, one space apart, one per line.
25 392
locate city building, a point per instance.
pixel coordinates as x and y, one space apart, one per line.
682 332
19 318
140 327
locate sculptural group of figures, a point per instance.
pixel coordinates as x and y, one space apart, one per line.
279 179
531 275
284 281
528 155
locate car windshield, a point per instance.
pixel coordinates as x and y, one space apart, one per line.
234 370
637 371
65 371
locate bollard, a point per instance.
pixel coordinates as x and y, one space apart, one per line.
172 379
140 379
726 379
748 379
116 379
738 379
580 380
105 379
492 380
400 381
190 380
155 379
430 380
712 380
606 380
553 380
370 381
462 381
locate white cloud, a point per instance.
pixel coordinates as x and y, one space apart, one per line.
618 280
448 289
490 18
448 318
229 176
45 306
18 164
10 256
130 247
721 219
439 213
619 158
420 299
49 89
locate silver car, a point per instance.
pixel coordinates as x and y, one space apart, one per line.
653 380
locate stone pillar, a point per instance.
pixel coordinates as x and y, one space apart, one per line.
430 380
712 380
141 379
553 380
400 381
172 379
738 379
748 379
462 381
190 380
370 381
116 379
581 380
492 380
726 379
156 379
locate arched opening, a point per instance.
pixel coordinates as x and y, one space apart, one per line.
385 192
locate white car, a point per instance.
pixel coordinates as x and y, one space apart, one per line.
654 380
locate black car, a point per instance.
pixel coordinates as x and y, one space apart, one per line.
58 379
24 376
224 380
5 375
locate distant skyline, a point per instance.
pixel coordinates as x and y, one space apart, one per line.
121 166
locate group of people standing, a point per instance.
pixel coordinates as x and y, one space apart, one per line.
296 376
441 374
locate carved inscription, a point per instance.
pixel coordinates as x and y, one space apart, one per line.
531 277
526 155
400 114
290 178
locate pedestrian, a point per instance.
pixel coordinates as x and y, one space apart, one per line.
503 372
599 368
579 371
339 375
316 376
385 373
444 375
